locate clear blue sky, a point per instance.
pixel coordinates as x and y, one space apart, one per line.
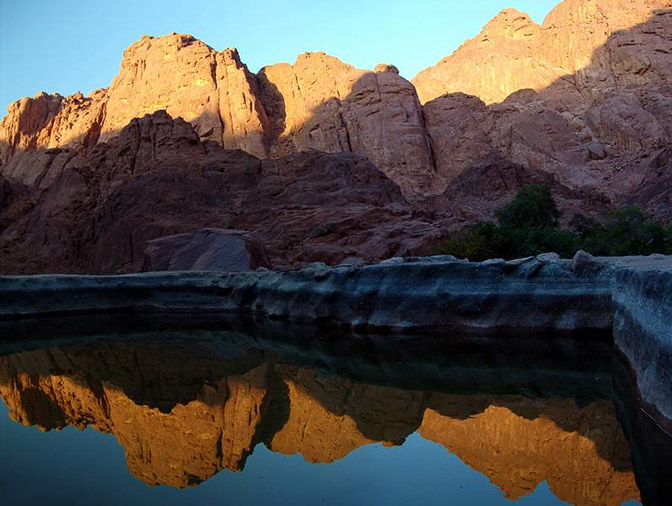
70 45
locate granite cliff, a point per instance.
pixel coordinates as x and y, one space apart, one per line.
581 102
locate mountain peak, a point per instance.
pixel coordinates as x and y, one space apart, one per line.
510 23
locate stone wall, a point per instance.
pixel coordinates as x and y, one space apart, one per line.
435 295
642 297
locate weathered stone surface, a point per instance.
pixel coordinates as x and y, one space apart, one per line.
459 296
582 103
591 39
95 211
583 261
318 103
491 297
188 79
642 329
585 96
322 103
483 188
25 120
209 249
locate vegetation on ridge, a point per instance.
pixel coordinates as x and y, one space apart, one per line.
529 225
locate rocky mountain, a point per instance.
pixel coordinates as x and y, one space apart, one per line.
96 212
585 96
582 102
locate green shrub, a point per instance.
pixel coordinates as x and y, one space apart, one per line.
478 243
526 241
533 206
627 231
528 225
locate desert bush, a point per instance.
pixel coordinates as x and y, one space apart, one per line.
528 225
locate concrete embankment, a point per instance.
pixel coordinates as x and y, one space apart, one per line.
425 296
438 296
642 295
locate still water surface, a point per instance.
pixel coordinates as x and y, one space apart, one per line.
223 417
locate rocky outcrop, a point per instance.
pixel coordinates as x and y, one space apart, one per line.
581 103
438 295
317 103
584 41
485 187
181 75
209 249
95 211
321 103
584 97
182 417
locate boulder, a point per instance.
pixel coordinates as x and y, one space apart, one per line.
548 257
584 261
209 249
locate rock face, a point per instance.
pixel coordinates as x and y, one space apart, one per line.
483 188
182 418
95 211
317 103
209 249
581 103
322 103
587 41
584 97
177 73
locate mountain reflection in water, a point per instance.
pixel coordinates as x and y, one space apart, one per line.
186 410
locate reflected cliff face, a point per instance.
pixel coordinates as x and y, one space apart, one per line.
185 411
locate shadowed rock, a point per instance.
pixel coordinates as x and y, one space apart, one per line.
95 211
209 249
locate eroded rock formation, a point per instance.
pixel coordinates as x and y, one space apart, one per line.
432 296
321 103
591 82
586 41
95 211
582 103
585 96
